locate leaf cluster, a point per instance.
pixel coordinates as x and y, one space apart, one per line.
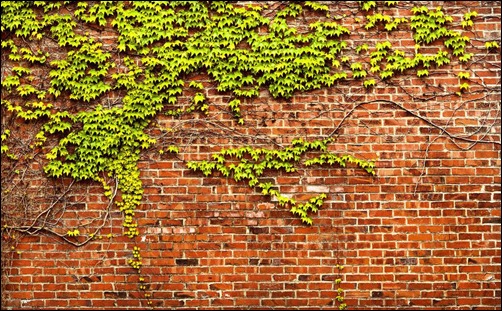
249 164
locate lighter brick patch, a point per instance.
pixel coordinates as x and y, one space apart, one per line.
320 189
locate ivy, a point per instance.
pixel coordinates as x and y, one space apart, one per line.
367 5
282 60
369 83
159 44
464 75
253 162
82 72
492 45
18 17
316 6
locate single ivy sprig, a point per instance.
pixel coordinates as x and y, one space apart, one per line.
253 162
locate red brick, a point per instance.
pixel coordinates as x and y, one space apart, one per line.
411 237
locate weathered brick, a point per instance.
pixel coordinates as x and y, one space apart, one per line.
423 233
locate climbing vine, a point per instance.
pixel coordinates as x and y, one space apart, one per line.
253 163
86 135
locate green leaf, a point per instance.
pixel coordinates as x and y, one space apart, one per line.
464 75
464 87
369 83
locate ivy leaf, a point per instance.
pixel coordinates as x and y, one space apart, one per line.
464 87
464 75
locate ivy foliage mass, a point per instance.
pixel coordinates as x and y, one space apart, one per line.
252 163
158 44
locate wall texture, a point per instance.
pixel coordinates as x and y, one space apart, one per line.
423 233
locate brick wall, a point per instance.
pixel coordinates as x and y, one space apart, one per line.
424 233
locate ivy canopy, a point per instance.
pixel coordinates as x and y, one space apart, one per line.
66 58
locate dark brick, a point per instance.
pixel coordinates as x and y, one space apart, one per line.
115 295
258 230
187 262
408 261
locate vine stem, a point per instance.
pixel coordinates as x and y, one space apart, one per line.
32 229
441 128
